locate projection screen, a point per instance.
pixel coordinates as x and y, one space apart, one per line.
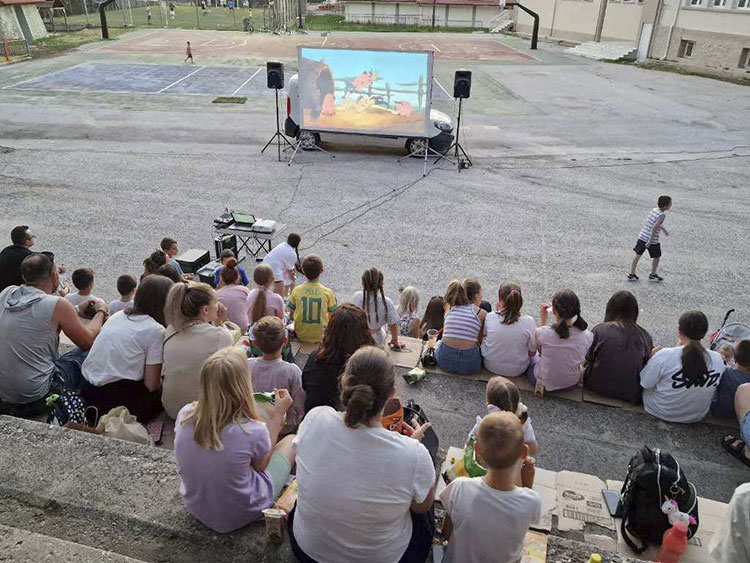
368 92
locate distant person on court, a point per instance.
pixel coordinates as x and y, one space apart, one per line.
12 256
172 12
311 303
225 256
487 517
169 247
283 260
148 14
126 285
648 239
189 53
83 281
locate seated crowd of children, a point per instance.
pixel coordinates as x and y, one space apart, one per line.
166 345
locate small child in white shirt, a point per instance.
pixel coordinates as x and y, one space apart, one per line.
488 517
83 280
270 372
126 285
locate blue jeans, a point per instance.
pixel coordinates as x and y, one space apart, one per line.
462 362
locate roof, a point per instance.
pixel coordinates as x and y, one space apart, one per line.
439 2
17 2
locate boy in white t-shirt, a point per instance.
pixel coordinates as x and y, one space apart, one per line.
488 517
83 280
126 285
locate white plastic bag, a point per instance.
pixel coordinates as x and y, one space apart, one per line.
119 423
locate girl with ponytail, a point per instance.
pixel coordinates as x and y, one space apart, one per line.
233 295
195 331
509 337
364 470
679 383
561 348
458 351
379 309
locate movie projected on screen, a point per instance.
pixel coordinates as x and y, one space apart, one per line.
369 92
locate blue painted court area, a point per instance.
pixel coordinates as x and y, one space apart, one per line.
151 79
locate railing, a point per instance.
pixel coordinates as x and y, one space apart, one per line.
15 48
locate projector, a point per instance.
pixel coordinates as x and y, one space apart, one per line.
264 226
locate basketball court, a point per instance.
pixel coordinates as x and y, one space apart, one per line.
212 44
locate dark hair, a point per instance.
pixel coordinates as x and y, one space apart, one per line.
663 201
36 267
622 308
434 314
19 235
372 284
153 262
166 243
367 381
505 395
455 294
742 353
694 326
82 278
226 253
566 303
125 284
151 297
293 240
347 332
169 271
312 266
510 295
269 333
473 288
229 272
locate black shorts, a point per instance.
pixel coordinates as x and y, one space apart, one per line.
654 250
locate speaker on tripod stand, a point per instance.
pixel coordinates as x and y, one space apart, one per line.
461 91
275 81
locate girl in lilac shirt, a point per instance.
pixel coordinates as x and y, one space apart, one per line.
229 462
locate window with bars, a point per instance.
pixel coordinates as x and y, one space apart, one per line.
745 58
686 49
743 4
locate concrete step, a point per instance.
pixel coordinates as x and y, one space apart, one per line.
605 50
504 26
22 546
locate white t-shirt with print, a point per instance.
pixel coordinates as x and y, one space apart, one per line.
488 524
668 396
505 348
385 315
281 259
355 489
124 347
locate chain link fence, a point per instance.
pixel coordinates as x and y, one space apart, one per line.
12 49
238 15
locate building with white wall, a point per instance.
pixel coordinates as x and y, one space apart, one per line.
19 19
444 13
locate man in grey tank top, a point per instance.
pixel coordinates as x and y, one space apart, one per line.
31 318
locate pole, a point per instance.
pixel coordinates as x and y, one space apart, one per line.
433 13
278 136
535 16
86 11
299 8
600 20
458 129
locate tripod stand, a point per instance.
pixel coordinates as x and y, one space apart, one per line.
278 136
463 160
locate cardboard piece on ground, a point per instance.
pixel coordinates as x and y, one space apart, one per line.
544 484
534 548
296 345
580 501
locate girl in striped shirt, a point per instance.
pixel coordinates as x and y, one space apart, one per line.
648 239
458 351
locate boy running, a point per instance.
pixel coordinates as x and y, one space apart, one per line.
648 239
189 53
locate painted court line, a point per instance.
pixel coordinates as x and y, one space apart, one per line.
514 51
324 41
435 47
181 79
41 77
245 82
441 87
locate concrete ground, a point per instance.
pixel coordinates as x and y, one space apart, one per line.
569 157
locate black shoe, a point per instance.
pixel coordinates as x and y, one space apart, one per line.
633 277
655 277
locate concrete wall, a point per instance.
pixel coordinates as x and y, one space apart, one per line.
10 28
575 20
412 13
35 21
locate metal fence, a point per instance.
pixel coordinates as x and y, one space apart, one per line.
239 15
14 49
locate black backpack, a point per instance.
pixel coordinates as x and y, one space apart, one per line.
654 477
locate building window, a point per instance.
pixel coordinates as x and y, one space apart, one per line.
697 2
686 49
743 4
745 58
720 3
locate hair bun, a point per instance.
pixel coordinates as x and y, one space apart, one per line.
232 263
359 401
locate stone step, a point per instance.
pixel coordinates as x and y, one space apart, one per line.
605 50
504 26
22 546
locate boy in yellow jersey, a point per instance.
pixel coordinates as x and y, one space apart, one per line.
311 303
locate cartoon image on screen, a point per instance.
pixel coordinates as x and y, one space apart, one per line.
376 92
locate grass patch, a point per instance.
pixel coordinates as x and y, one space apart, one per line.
230 100
61 42
679 69
333 22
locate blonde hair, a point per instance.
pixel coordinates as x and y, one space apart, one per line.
225 397
500 440
455 294
408 301
185 301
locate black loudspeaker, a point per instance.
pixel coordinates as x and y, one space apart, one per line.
462 84
223 242
275 73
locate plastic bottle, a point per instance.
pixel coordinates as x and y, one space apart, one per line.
595 558
674 543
